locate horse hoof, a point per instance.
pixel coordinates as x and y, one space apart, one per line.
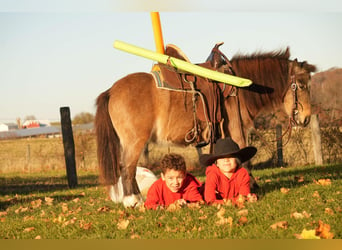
132 200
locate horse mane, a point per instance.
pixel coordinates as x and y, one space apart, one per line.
281 53
269 73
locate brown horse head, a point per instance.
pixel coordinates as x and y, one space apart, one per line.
297 96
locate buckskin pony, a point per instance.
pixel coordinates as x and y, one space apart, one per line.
134 111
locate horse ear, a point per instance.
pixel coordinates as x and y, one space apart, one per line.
309 67
287 52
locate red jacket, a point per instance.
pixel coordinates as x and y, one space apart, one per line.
219 187
160 195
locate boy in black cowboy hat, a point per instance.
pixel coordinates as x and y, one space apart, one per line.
225 178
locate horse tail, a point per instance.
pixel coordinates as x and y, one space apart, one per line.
108 142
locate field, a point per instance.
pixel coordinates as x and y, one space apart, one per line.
301 202
36 203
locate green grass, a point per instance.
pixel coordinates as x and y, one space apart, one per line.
86 212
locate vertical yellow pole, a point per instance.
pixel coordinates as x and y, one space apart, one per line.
157 31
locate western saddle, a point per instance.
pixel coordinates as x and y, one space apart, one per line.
206 94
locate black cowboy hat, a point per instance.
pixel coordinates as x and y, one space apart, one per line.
226 147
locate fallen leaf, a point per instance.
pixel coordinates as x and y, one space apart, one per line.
284 190
280 224
135 236
323 182
243 212
299 178
65 207
3 214
302 215
307 234
203 217
103 209
21 210
316 194
48 201
268 181
243 220
223 221
122 224
27 218
38 237
85 225
76 200
36 203
329 211
220 213
28 229
323 230
173 207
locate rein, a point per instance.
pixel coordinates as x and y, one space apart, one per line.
292 119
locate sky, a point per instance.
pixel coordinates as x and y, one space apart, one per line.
56 55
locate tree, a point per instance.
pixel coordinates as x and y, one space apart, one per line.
83 118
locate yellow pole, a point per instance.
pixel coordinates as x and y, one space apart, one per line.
157 31
182 65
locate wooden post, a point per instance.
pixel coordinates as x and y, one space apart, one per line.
316 139
279 140
69 146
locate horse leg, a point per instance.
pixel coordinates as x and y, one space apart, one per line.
130 157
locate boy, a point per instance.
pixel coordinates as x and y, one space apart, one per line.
175 184
225 178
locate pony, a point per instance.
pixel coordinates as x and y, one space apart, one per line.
134 112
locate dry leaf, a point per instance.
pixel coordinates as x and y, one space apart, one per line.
76 200
65 207
220 213
85 225
323 230
103 209
223 221
280 224
38 237
329 211
135 236
26 218
203 217
301 215
284 190
268 181
307 234
316 194
243 212
28 229
21 210
123 224
3 214
323 182
243 220
299 178
36 203
48 201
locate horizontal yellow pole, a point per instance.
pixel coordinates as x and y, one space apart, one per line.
183 65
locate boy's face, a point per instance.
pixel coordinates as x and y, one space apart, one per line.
173 179
227 165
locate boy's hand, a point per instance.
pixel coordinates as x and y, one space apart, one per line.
252 197
181 202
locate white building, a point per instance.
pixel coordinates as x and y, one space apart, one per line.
8 126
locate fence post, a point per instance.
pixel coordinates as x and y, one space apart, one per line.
279 140
316 139
69 146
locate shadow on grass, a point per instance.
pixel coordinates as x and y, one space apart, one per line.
27 185
32 185
293 177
